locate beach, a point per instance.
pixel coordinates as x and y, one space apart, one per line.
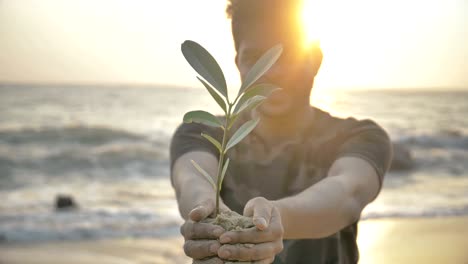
400 240
108 149
96 98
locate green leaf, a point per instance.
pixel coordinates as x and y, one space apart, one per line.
214 94
204 173
213 141
251 103
223 173
202 117
241 133
260 89
261 66
203 63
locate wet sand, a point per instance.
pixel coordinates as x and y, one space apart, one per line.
436 240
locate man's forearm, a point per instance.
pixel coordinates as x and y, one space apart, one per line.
318 211
331 204
191 188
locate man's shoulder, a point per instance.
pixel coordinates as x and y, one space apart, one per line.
325 118
326 123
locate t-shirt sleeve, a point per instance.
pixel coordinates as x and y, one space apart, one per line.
367 140
188 138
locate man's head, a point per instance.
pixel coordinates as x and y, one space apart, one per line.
258 25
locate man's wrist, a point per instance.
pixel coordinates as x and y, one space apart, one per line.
280 205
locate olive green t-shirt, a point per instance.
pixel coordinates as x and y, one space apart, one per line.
257 169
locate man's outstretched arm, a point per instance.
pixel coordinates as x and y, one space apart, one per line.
192 190
318 211
331 204
196 200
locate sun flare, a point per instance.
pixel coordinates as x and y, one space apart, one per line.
311 20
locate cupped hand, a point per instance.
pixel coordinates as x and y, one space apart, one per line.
201 239
260 243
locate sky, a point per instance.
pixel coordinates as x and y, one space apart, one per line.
366 43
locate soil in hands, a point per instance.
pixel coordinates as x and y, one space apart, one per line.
230 221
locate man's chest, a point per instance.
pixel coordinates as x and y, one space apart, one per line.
276 173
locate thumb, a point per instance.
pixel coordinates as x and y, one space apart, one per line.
202 211
260 209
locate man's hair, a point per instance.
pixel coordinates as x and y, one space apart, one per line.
277 14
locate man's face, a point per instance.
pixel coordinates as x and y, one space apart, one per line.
293 72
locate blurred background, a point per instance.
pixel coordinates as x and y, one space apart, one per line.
91 92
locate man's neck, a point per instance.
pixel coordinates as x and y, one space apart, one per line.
275 130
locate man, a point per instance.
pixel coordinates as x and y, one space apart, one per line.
303 175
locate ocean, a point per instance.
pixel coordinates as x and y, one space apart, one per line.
108 147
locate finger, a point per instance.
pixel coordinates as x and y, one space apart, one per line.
276 218
250 252
253 235
200 249
260 209
202 211
223 207
264 261
194 230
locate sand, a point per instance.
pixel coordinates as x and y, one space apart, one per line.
436 240
128 251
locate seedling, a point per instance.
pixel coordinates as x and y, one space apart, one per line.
248 97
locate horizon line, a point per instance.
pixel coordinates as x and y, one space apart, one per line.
182 86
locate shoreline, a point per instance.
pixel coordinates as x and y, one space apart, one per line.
390 240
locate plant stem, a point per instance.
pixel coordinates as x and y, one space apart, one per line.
221 157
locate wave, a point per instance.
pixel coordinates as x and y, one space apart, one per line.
443 139
105 152
102 224
445 152
71 134
79 150
84 225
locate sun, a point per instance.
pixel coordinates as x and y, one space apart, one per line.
312 20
